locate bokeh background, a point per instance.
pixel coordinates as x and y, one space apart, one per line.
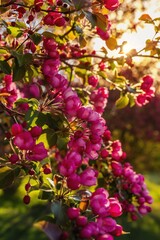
137 128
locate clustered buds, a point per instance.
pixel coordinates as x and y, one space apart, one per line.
148 91
25 140
104 209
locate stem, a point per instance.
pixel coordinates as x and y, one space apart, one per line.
11 111
149 56
7 4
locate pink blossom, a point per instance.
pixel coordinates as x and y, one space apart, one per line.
100 203
111 4
24 141
93 81
16 129
88 177
116 168
73 213
73 181
106 225
81 221
118 231
38 152
105 237
90 230
50 67
115 208
36 131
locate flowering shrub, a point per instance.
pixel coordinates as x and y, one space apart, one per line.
51 88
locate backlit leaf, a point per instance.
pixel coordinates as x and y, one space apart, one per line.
111 43
122 102
145 17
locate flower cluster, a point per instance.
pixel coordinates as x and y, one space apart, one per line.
148 91
9 91
25 142
132 185
103 210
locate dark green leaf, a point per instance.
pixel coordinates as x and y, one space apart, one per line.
59 211
18 72
7 176
45 195
79 4
31 117
36 38
91 18
62 143
4 66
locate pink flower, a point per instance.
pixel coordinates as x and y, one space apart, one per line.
83 113
34 90
38 152
93 81
50 67
54 18
111 4
104 35
105 237
115 208
81 221
118 231
73 181
147 83
116 168
90 230
36 131
88 177
24 141
73 213
106 225
67 168
58 81
100 203
16 129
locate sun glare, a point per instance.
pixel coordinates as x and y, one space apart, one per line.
134 39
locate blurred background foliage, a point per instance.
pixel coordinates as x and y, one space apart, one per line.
137 128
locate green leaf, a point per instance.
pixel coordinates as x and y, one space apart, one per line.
21 25
7 176
122 102
59 211
79 4
23 59
31 117
33 102
18 72
91 18
48 34
48 137
5 68
62 143
45 195
131 100
36 38
15 31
